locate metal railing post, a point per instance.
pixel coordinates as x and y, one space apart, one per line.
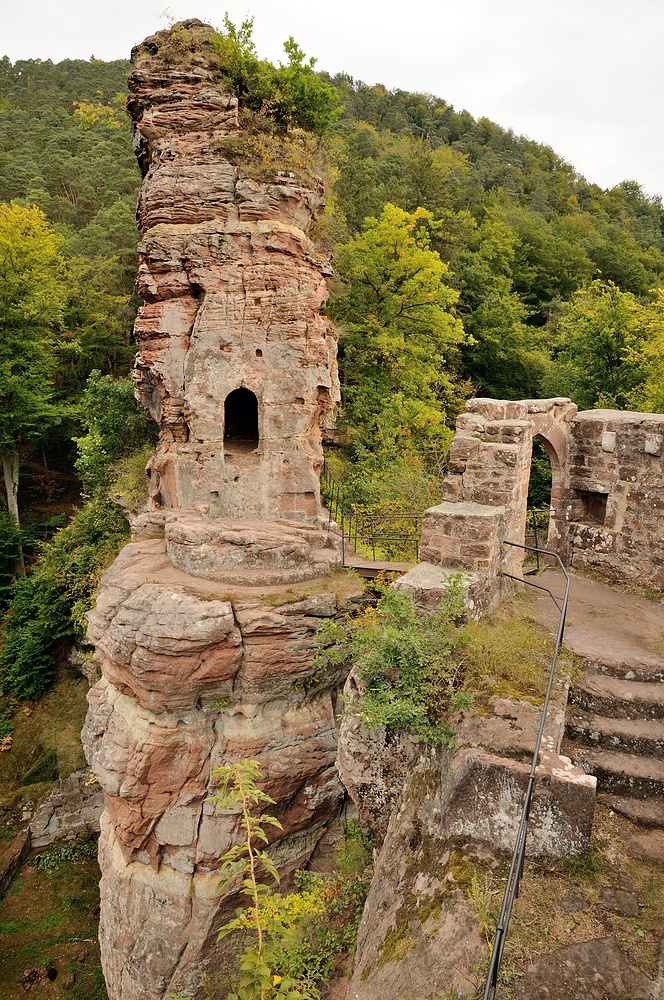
519 852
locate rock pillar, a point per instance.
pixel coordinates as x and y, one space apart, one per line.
204 626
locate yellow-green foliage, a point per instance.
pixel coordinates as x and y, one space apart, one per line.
263 152
508 654
406 659
298 936
129 482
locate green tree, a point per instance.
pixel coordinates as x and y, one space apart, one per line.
398 339
292 94
114 428
647 354
503 355
32 298
602 338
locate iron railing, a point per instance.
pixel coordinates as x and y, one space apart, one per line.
519 852
386 536
537 528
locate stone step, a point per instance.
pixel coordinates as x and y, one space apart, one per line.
619 698
620 773
634 736
644 812
639 666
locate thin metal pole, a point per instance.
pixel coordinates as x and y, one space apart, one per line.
343 540
519 852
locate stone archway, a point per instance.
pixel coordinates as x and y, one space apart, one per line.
241 420
607 495
552 428
485 492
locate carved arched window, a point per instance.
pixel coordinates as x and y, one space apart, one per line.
241 420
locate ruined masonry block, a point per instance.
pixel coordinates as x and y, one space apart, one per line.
484 795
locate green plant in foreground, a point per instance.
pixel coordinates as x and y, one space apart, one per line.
267 916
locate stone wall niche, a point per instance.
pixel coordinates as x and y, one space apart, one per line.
614 496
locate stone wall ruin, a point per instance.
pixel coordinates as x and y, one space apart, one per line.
607 496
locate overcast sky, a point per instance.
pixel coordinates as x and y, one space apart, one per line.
583 76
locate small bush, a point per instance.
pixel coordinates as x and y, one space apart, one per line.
406 659
265 153
325 913
292 95
70 852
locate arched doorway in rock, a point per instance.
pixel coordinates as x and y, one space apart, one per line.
241 420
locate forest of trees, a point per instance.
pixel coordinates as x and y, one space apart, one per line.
469 261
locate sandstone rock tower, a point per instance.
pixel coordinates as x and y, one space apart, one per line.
199 666
235 363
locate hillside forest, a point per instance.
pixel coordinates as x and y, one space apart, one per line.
468 261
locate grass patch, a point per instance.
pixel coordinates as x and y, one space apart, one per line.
508 655
49 919
263 154
396 945
46 743
561 904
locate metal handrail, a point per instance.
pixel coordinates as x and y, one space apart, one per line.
519 852
535 511
368 529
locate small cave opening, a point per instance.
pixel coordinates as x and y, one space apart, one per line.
241 420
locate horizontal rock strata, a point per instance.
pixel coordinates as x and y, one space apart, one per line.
205 652
194 675
233 288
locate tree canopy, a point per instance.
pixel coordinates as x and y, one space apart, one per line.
32 299
399 335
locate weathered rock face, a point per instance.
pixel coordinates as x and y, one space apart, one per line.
235 363
203 631
481 784
71 810
194 676
418 936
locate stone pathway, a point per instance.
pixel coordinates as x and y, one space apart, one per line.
615 716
